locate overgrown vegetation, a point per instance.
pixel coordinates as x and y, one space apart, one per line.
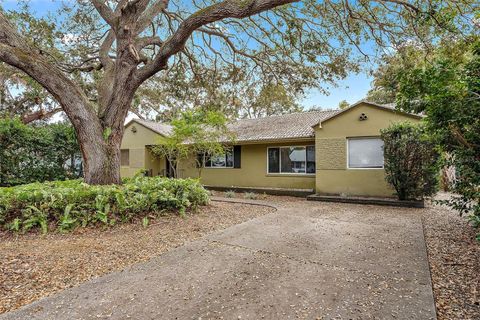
37 153
444 84
447 90
410 161
66 205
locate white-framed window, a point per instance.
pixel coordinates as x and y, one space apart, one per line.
365 153
225 160
291 159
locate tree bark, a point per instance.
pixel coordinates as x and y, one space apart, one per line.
39 115
101 162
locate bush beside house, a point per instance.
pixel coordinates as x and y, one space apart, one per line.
410 161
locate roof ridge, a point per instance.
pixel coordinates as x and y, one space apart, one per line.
286 114
152 121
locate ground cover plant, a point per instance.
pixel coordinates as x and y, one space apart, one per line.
65 205
229 194
250 195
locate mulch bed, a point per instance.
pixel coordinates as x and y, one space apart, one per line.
34 266
454 257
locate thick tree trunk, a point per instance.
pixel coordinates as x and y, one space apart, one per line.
101 162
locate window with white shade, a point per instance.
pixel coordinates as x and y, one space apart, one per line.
365 153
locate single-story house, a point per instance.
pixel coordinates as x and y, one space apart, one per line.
335 152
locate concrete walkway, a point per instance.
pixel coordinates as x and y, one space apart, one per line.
308 260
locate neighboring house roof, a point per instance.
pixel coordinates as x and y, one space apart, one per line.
389 107
158 127
287 126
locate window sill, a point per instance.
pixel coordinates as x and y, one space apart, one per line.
220 168
301 175
366 168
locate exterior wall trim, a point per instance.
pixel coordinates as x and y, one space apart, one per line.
372 104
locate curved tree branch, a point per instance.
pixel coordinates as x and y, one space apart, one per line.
216 12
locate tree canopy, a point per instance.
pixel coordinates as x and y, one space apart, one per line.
93 56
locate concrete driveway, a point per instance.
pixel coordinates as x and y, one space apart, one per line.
308 260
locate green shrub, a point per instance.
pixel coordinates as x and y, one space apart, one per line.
250 195
37 153
410 161
70 204
229 194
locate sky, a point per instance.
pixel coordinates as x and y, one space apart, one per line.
351 89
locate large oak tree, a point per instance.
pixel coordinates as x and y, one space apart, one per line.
109 49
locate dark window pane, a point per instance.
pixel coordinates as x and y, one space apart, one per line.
208 162
229 158
273 160
292 160
237 156
310 159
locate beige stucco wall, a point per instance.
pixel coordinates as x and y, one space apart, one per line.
332 174
253 171
140 158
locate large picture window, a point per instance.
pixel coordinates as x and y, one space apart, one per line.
220 161
299 159
365 153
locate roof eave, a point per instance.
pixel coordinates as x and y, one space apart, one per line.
319 124
143 125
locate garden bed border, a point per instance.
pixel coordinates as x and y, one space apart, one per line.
368 200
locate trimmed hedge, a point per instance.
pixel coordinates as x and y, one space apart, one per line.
73 203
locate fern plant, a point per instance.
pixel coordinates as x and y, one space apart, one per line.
35 218
66 222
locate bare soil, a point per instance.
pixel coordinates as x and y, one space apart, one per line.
34 266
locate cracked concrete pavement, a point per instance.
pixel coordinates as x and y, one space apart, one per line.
308 260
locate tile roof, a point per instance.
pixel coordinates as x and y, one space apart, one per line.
287 126
161 128
282 127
